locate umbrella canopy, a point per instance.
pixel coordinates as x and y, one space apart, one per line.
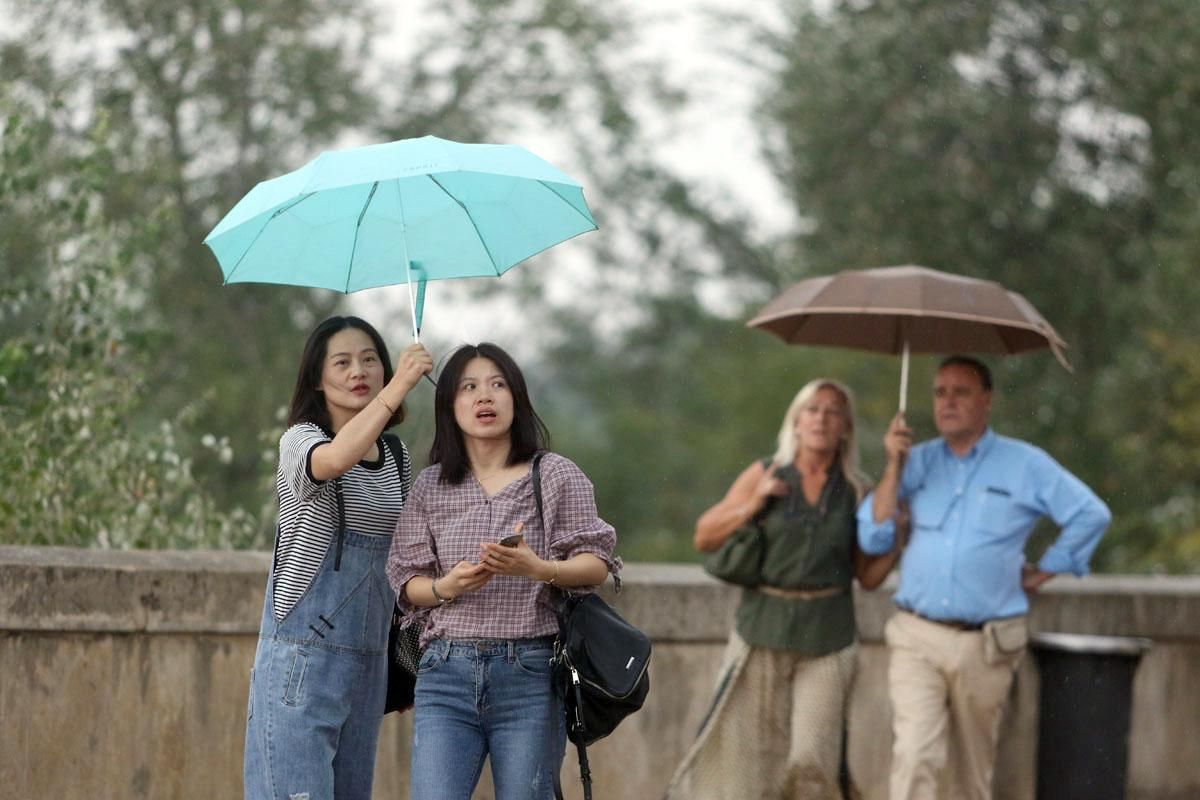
402 212
908 309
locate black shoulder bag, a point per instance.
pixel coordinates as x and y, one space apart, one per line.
601 663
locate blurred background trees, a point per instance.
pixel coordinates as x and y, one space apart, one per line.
1044 145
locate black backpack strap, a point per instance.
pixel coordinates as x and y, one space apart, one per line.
399 455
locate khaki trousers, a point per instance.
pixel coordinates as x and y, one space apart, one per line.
947 701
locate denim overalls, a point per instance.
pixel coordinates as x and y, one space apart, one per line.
319 679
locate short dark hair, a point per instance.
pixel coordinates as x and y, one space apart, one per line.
527 435
308 402
981 369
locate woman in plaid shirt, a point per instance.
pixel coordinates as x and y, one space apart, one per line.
483 685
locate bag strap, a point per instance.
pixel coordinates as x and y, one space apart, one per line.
400 456
535 477
585 772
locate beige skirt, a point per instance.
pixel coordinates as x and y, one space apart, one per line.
774 730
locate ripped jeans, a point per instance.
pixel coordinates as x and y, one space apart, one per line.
319 680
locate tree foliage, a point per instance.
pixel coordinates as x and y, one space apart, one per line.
1042 145
1045 145
78 471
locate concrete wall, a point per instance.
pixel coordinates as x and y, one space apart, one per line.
124 675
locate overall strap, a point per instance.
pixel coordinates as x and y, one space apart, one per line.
341 533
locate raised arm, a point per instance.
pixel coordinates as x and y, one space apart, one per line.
354 440
745 498
896 443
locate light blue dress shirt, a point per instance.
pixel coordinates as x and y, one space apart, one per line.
971 517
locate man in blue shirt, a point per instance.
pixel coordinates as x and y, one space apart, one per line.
973 500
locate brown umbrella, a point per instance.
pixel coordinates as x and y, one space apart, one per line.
908 309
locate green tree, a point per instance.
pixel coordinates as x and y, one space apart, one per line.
1039 144
202 100
78 472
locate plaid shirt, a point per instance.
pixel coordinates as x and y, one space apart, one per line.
444 523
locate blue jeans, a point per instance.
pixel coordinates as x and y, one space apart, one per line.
319 680
481 698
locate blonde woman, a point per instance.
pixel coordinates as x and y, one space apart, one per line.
776 724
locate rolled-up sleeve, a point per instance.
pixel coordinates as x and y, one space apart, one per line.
573 524
412 550
1082 516
874 538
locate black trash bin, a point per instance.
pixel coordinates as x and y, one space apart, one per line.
1083 725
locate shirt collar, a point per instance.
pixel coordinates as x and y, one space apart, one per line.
981 446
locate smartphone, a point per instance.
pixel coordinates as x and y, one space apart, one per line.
512 540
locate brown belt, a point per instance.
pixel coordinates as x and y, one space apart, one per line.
802 594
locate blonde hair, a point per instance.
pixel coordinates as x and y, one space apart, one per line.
847 449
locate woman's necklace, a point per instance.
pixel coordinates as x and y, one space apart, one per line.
489 476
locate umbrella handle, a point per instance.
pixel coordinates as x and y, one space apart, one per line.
904 378
416 299
416 303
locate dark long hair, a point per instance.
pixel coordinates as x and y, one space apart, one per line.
527 435
308 401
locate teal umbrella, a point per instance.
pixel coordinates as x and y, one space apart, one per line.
402 212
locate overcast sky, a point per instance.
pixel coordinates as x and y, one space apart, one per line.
712 142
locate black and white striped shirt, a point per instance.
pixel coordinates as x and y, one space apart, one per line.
373 493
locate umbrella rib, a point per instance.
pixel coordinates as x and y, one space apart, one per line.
357 228
250 247
569 203
470 219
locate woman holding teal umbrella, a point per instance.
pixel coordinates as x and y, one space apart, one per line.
320 671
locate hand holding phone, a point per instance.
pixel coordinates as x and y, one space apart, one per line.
515 538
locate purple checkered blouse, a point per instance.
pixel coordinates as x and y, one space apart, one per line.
444 523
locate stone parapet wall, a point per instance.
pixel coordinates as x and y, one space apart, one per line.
124 675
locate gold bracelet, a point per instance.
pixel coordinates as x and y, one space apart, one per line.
554 581
379 397
440 600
